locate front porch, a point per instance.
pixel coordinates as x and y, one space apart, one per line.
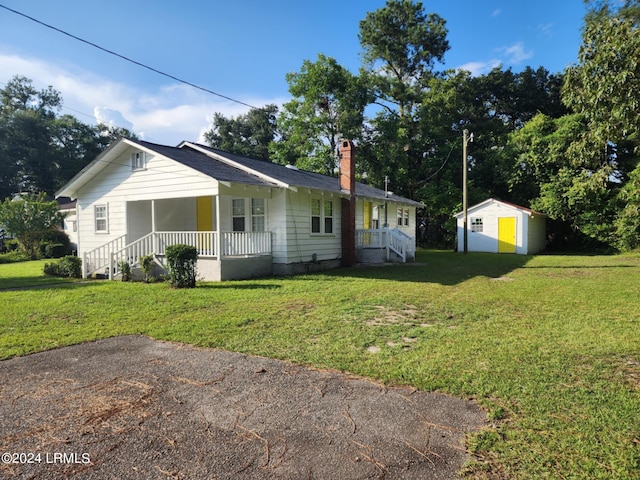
221 256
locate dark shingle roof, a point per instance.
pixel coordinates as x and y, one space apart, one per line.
204 164
294 177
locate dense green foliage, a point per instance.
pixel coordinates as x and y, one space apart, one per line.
548 345
30 219
39 150
182 265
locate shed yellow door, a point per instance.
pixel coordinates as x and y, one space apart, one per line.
204 209
507 235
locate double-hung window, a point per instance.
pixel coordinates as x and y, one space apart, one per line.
403 217
257 215
476 224
101 215
321 216
237 214
138 161
248 213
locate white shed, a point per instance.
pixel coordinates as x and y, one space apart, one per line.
500 227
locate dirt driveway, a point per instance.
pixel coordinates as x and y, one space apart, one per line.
134 408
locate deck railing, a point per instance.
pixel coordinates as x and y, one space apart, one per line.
393 240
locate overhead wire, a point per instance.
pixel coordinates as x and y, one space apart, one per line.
123 57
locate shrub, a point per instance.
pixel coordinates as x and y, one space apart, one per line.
182 265
55 250
68 266
52 269
125 270
147 265
14 256
71 266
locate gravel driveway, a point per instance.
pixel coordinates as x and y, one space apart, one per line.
134 408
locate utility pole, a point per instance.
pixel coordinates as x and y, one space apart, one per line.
466 138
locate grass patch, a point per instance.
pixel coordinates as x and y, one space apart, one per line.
547 344
28 274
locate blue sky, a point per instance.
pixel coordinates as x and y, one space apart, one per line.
243 49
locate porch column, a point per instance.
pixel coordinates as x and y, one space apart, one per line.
153 226
218 235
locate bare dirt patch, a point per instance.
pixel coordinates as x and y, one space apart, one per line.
132 407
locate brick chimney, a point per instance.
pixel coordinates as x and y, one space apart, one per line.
348 186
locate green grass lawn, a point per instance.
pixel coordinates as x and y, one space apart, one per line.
549 345
27 274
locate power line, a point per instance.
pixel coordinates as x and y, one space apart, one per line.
140 64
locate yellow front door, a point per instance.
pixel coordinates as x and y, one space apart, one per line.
204 209
507 235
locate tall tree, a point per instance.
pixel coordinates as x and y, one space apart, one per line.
605 88
26 120
401 45
328 105
249 134
40 151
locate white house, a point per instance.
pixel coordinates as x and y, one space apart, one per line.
247 217
501 227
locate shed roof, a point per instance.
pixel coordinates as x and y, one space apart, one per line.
488 201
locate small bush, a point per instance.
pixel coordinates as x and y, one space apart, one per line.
55 250
125 270
14 256
182 265
68 266
52 269
147 265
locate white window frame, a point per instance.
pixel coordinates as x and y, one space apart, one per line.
239 213
101 214
476 224
402 218
258 215
138 161
323 210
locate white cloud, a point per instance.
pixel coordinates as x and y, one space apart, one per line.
113 118
516 53
510 56
480 68
166 114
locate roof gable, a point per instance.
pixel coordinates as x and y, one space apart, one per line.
226 167
489 201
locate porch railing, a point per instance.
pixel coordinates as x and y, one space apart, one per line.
393 240
107 258
245 243
98 259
